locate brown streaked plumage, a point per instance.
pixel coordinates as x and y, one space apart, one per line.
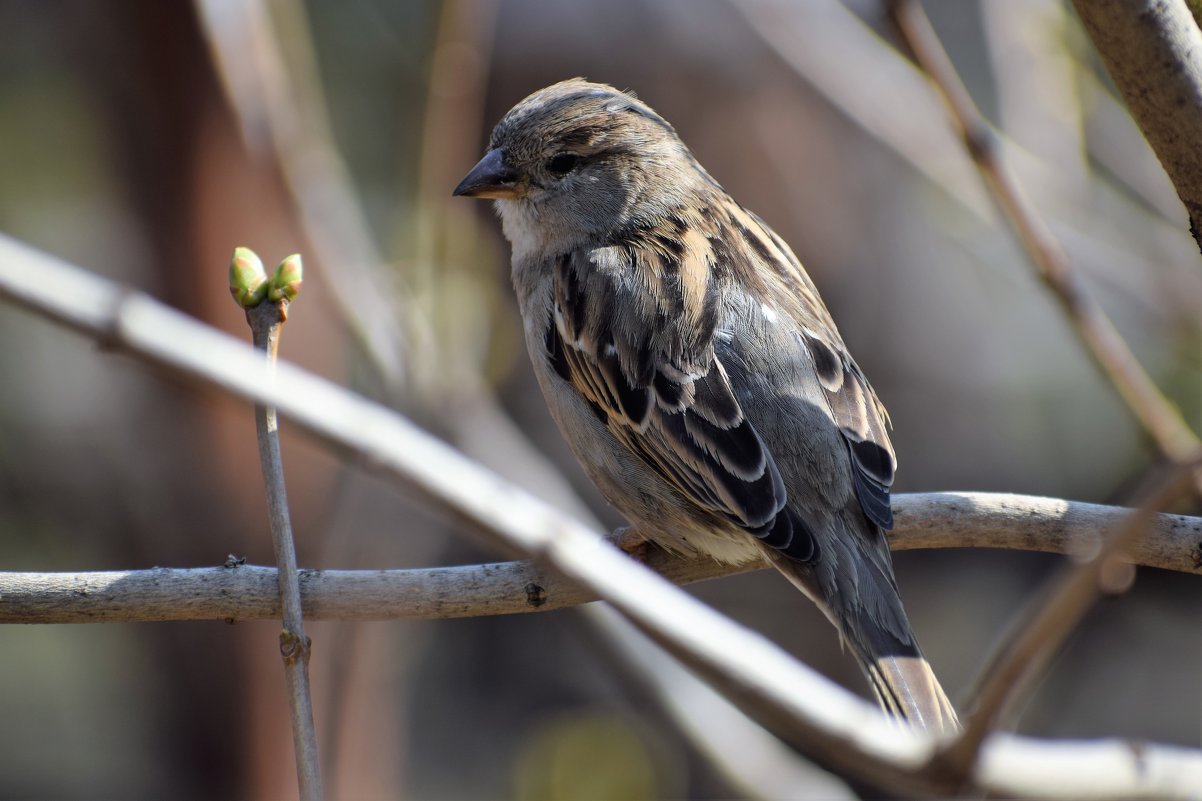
695 371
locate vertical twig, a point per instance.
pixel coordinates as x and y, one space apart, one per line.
1159 417
266 303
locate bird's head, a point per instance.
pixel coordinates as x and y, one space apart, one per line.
577 159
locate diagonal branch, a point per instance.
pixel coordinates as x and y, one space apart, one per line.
813 713
809 712
1159 417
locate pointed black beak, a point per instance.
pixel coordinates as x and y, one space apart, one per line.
491 177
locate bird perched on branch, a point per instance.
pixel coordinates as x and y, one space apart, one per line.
694 370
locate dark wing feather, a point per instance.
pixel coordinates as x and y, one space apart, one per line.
861 419
633 335
857 411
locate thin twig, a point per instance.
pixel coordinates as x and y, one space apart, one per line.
816 716
1158 416
266 322
247 592
1041 631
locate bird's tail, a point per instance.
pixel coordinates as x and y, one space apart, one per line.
868 614
905 686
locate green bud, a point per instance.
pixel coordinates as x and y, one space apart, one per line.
285 282
248 279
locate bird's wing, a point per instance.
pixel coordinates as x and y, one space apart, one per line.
633 334
859 414
861 419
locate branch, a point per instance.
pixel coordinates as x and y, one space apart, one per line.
1151 48
266 302
808 711
1159 418
245 592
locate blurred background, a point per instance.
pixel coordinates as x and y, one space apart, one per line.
145 140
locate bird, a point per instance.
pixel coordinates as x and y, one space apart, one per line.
695 372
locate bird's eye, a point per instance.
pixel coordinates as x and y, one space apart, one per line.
563 164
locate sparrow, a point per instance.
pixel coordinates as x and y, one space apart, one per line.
695 372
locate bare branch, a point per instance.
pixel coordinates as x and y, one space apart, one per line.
1025 523
1024 767
246 592
808 711
1152 50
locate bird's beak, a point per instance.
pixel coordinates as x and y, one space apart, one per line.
490 178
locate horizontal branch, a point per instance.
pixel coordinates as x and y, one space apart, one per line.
931 520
